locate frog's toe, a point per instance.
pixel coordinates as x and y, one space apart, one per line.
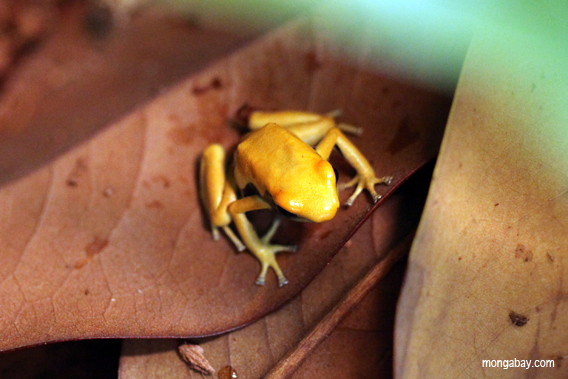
261 280
282 281
284 248
355 194
376 196
215 233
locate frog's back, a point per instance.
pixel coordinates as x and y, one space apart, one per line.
291 171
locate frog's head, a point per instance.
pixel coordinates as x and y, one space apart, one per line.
311 195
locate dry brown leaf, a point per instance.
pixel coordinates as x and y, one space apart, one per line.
486 277
108 239
193 355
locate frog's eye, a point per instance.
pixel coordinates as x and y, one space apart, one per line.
286 213
336 174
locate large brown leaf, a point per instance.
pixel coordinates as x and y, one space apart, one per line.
76 83
109 240
360 347
486 277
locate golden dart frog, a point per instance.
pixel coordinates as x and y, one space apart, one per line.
288 174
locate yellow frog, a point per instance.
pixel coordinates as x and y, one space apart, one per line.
289 175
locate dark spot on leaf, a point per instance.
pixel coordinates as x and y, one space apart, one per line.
98 21
161 179
311 62
80 263
78 171
215 84
190 21
326 234
518 319
243 114
404 137
155 204
522 252
181 135
96 246
108 192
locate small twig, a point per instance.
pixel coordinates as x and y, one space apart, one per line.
294 358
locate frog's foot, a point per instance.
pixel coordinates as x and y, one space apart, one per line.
266 254
267 257
367 181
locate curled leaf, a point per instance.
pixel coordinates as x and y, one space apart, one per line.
486 279
193 355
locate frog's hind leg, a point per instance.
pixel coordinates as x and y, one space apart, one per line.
260 247
216 193
309 127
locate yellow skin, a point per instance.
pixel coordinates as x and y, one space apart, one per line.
290 175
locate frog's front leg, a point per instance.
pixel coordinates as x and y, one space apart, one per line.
365 177
260 247
216 192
